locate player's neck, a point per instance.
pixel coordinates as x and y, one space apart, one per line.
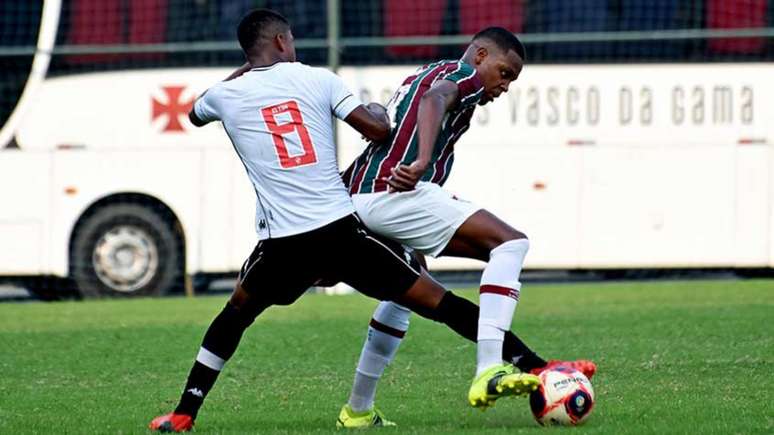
468 57
265 60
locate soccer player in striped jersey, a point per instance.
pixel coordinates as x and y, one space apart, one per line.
396 189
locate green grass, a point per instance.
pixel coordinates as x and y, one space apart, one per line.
674 357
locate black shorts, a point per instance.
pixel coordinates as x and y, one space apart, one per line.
280 270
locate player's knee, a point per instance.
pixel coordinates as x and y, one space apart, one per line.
518 235
516 246
243 307
516 242
510 235
244 315
392 315
502 237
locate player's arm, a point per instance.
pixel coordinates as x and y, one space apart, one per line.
371 121
203 111
366 119
195 119
199 120
433 105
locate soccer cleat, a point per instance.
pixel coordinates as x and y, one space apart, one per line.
586 367
172 423
349 419
500 381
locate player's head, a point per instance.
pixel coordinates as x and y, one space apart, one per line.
498 56
265 32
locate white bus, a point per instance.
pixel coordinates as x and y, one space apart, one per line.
104 181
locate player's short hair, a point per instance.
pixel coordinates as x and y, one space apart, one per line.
503 39
260 25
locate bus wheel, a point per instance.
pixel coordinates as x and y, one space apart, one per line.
126 250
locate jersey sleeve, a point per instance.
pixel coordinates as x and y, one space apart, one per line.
342 101
206 106
469 84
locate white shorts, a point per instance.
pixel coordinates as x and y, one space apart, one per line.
424 219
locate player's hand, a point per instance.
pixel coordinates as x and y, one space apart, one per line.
405 177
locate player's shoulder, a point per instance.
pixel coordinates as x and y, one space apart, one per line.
463 75
451 69
307 70
460 68
214 92
450 65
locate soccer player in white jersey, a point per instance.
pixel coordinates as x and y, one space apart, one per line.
396 189
279 117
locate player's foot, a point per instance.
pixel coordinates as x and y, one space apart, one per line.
500 381
349 419
172 423
586 367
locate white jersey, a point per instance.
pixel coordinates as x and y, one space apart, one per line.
280 120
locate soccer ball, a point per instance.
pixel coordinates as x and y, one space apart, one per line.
565 397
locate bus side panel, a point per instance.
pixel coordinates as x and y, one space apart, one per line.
217 235
173 177
771 207
657 206
244 201
532 188
753 205
25 211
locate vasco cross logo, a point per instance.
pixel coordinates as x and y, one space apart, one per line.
173 108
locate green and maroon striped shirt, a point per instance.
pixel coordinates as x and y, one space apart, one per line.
366 172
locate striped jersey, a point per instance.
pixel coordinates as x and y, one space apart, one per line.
366 172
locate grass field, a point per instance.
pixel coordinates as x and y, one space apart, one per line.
674 357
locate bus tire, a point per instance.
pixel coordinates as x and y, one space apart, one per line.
126 250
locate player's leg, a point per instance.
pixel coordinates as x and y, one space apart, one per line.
426 220
434 222
485 237
380 268
478 235
219 344
260 273
389 325
497 380
386 330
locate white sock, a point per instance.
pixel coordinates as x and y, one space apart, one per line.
364 388
388 326
487 354
499 289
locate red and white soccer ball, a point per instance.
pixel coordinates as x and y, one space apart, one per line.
565 397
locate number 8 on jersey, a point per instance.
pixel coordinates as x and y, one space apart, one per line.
278 131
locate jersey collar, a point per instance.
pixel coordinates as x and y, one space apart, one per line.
266 67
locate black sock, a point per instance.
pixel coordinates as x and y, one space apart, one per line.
461 316
517 352
200 381
221 339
